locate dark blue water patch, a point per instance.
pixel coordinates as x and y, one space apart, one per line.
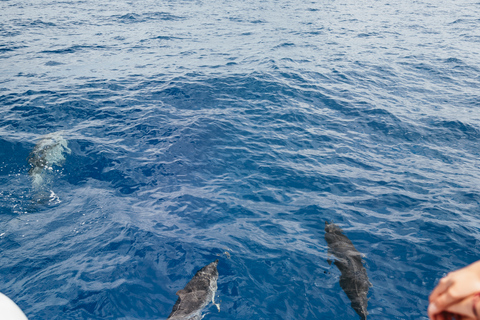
290 180
465 21
384 203
10 152
53 63
471 197
203 213
9 33
21 98
368 35
471 38
447 236
166 38
138 18
183 95
209 129
179 92
454 61
457 68
133 282
85 163
129 17
37 113
163 16
41 23
286 44
26 75
7 48
33 105
102 85
438 131
430 71
454 130
236 19
208 133
390 129
73 49
457 21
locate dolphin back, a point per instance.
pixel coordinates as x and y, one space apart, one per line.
49 151
196 295
353 279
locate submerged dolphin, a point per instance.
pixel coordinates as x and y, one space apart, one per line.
47 152
196 295
354 279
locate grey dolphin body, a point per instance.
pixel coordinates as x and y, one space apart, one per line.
354 279
197 294
47 152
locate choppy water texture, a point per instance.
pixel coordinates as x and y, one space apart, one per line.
233 130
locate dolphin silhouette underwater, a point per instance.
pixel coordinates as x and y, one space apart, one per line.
47 152
197 294
353 279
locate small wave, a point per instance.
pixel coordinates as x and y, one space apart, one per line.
53 63
72 49
42 23
136 18
129 16
6 49
453 61
454 129
286 44
163 16
165 38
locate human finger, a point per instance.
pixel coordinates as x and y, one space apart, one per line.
446 299
436 316
442 285
445 315
463 308
441 316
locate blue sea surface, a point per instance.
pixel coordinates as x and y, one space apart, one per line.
232 130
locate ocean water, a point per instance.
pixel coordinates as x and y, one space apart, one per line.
199 130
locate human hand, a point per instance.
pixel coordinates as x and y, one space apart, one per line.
452 290
450 316
466 309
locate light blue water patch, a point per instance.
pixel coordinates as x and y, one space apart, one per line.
204 130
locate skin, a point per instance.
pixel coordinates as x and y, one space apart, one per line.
454 294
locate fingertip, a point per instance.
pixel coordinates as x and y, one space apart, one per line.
432 309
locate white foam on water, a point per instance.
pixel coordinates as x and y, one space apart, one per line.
54 199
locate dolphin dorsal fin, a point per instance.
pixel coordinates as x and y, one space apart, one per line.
180 293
